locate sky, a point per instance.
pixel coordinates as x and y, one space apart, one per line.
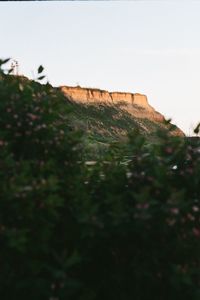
148 47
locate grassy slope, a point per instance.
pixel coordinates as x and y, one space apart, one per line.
106 123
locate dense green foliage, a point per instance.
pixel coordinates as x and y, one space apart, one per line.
111 230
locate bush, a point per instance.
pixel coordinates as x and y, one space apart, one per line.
40 168
112 230
145 224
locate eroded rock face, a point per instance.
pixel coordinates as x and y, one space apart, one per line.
136 104
86 95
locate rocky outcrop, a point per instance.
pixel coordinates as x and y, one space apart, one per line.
87 95
135 104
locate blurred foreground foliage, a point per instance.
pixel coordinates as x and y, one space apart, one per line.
110 229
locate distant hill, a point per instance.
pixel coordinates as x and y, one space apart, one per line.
109 116
105 117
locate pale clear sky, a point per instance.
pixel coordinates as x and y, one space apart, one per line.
150 47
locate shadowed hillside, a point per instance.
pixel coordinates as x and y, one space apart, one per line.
107 117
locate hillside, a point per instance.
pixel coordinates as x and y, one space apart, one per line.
105 117
109 116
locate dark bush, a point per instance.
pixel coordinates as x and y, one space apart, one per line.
112 230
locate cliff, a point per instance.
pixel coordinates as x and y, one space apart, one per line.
87 95
134 104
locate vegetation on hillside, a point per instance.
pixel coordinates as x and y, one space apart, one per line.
105 123
111 230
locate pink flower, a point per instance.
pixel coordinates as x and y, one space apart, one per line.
175 210
190 217
195 208
169 150
33 117
142 205
196 232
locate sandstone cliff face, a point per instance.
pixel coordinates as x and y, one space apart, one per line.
135 104
86 95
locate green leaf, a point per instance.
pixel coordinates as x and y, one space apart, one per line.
196 130
167 121
10 70
4 61
40 69
41 77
